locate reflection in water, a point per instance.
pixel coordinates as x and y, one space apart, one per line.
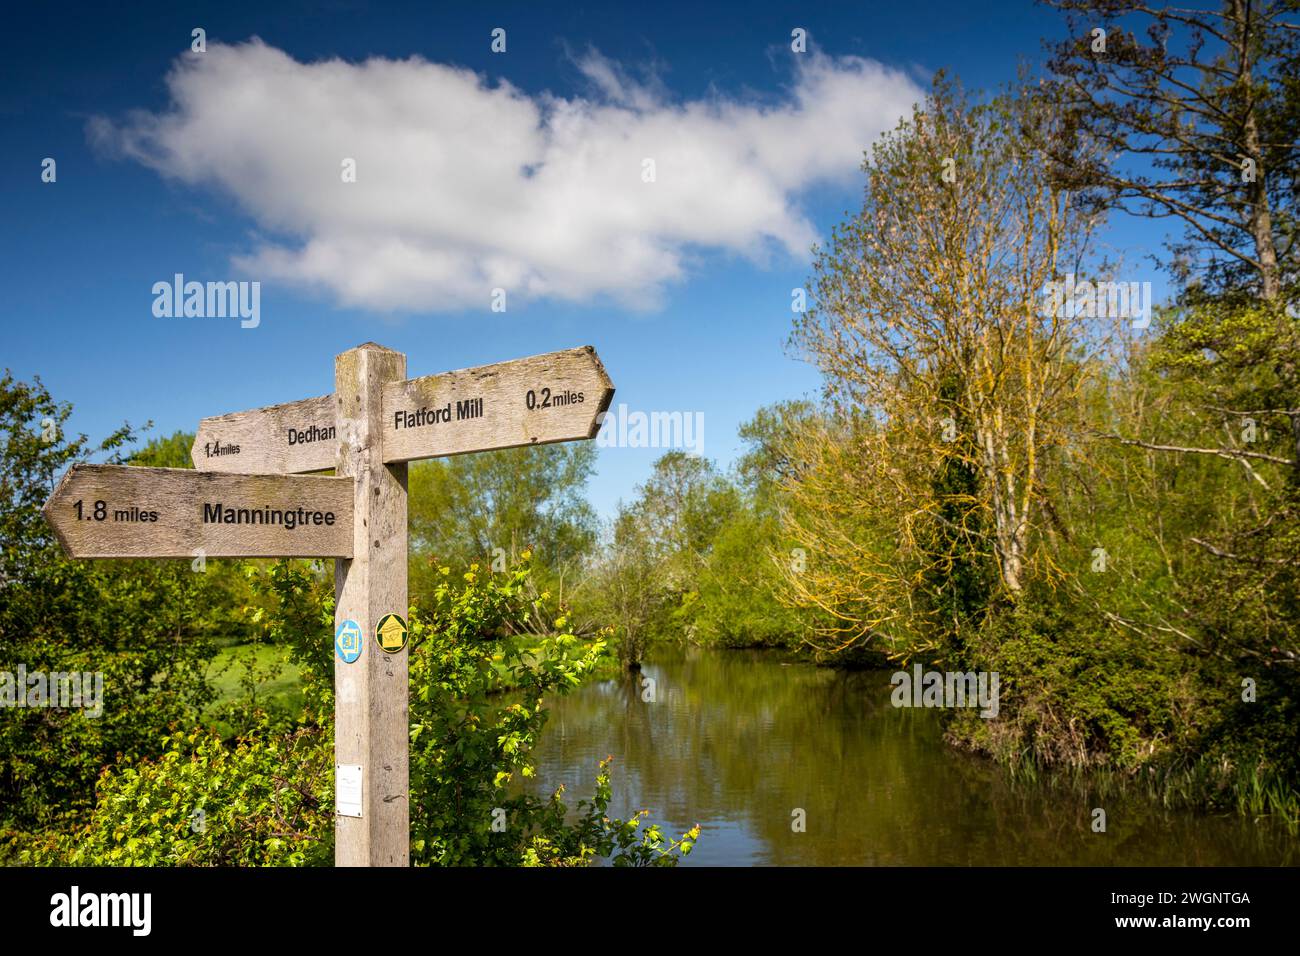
736 741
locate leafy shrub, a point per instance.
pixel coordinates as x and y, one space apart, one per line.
476 712
266 800
1077 693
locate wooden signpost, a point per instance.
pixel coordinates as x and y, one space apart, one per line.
247 498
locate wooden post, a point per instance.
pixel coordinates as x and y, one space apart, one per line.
371 727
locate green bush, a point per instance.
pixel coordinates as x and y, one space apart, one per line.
265 801
476 711
1078 693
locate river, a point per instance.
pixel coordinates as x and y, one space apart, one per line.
740 741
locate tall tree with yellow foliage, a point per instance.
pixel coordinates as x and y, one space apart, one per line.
951 378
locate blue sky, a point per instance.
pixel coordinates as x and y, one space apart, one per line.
232 173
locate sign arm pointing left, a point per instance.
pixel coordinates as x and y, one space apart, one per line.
121 511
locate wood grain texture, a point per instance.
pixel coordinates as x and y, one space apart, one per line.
484 408
277 440
371 725
179 513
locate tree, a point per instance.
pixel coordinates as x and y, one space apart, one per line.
1200 123
680 508
658 551
170 452
490 507
738 588
938 351
627 588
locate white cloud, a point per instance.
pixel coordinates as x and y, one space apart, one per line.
464 185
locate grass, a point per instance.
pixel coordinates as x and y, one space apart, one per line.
1203 784
277 685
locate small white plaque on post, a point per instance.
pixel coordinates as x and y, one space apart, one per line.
347 789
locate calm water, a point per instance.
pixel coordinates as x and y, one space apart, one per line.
736 741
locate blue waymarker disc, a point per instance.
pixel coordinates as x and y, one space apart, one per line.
347 641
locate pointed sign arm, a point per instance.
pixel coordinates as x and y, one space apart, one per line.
556 397
121 511
283 439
